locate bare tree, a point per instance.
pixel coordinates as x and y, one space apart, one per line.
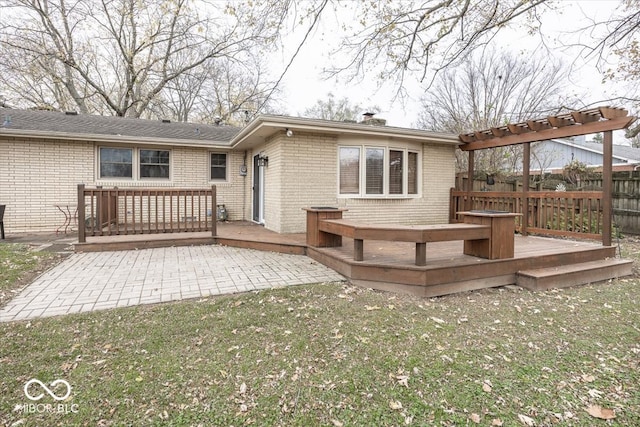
421 38
489 91
120 56
219 92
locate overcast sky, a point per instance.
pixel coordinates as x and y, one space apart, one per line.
303 84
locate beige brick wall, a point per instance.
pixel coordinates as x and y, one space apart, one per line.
36 174
309 177
302 172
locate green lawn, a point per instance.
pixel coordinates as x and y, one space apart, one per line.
335 355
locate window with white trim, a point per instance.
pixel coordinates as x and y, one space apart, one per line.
385 172
218 163
134 163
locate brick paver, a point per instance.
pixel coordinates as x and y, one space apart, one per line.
103 280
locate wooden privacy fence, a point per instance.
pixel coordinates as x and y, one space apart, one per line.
120 211
558 213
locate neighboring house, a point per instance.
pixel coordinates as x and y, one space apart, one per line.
553 155
265 172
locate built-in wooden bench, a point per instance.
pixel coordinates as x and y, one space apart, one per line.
486 234
420 234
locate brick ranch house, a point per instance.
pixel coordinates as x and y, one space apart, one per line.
265 172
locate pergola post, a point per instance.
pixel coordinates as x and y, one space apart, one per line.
526 166
467 204
607 187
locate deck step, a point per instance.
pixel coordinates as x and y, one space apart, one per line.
573 274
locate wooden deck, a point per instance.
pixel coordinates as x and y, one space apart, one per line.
389 265
238 234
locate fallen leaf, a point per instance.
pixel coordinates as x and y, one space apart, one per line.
139 379
243 388
497 422
437 320
475 418
395 405
403 380
528 421
486 388
371 307
588 378
336 423
598 411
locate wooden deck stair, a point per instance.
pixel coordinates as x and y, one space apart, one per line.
574 274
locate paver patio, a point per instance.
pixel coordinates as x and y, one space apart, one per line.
101 280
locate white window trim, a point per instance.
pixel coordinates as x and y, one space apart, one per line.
135 166
363 174
226 172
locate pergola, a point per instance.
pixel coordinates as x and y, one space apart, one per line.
584 122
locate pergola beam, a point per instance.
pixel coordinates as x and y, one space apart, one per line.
560 132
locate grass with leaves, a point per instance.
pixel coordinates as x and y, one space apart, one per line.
336 355
19 265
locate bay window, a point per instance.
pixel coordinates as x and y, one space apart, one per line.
387 172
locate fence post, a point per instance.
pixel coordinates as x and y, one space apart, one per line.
214 211
81 220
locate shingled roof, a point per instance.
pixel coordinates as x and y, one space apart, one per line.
66 125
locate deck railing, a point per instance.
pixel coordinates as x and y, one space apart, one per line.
557 213
121 211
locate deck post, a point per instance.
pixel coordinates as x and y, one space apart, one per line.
214 212
526 165
82 238
607 187
358 250
317 238
421 254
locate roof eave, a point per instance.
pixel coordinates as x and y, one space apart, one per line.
115 139
249 137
